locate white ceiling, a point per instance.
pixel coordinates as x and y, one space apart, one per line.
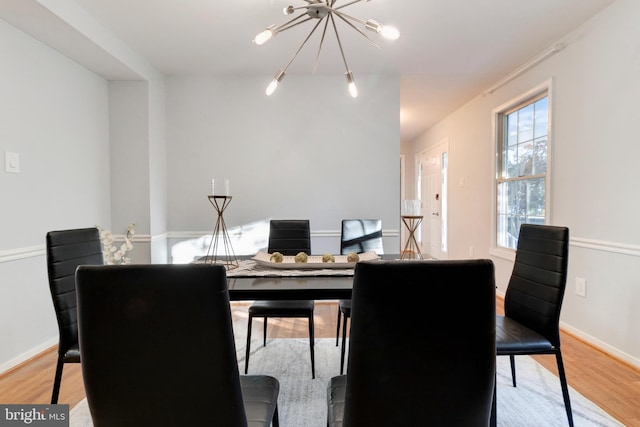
449 51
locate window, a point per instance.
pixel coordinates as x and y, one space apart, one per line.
522 157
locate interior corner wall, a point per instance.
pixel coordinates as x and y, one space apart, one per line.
157 172
595 92
406 149
54 114
130 165
308 151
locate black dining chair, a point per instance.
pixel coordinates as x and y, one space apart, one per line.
533 299
426 367
66 250
357 235
288 237
158 349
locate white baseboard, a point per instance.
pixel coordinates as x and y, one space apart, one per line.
606 348
21 358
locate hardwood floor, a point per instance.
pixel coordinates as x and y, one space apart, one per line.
609 383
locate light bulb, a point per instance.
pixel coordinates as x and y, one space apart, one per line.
274 83
272 87
288 10
353 90
351 84
263 37
389 33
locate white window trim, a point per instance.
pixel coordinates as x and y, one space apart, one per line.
547 85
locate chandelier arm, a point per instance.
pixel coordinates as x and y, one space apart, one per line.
282 28
346 15
345 5
291 23
302 45
296 8
324 31
340 15
333 22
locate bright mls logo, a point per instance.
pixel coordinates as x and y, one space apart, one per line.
34 415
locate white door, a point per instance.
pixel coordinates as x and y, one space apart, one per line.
433 163
403 236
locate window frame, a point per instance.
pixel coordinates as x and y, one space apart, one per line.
526 98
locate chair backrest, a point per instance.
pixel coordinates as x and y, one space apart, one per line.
537 284
361 235
422 361
66 250
289 236
157 345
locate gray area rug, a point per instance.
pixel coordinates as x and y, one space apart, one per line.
536 402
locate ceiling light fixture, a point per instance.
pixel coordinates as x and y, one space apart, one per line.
323 10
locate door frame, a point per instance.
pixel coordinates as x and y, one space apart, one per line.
441 248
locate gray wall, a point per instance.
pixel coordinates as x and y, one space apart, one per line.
308 151
54 114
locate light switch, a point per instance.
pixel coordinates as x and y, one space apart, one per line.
11 162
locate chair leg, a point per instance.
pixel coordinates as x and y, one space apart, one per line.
493 421
275 422
565 387
264 332
512 360
344 344
57 380
246 356
338 326
311 343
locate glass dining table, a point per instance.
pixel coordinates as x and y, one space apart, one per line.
290 288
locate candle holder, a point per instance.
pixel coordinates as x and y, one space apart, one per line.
220 233
412 219
411 248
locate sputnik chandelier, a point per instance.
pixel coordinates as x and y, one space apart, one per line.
323 10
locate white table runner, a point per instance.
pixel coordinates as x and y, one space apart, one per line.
249 268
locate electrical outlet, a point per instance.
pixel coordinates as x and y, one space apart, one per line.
581 287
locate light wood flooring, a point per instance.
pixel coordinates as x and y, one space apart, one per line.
609 383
